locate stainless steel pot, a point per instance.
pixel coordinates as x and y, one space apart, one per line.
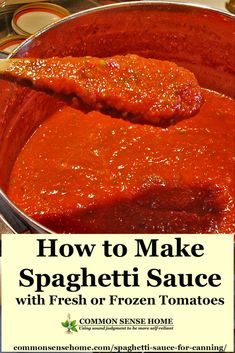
195 37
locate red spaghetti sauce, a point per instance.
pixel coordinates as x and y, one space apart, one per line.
91 173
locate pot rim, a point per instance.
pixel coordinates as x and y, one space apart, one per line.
117 5
26 221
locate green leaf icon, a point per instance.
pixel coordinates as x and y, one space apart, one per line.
70 325
65 324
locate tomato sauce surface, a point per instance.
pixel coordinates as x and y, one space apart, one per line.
91 173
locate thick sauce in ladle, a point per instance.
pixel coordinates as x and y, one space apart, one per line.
143 90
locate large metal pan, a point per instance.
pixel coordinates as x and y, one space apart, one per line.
195 37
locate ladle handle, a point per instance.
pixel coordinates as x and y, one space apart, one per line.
230 6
